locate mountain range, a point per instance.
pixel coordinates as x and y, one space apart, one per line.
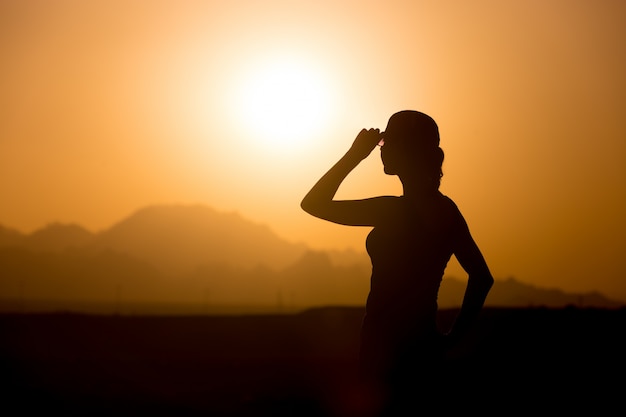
202 260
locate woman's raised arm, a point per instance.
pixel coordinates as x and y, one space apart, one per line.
319 201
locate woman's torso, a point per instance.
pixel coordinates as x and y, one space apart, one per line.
409 253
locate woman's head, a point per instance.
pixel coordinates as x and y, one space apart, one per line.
411 147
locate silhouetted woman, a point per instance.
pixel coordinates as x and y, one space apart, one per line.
412 240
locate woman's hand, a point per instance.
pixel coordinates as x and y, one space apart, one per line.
365 142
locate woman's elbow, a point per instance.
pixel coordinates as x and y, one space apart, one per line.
486 281
483 279
305 205
315 209
480 273
308 206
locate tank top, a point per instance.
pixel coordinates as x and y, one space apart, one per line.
409 252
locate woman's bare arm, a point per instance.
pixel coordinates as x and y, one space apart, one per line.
319 201
479 284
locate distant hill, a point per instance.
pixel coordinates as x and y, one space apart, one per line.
201 259
510 292
58 237
176 239
53 237
10 237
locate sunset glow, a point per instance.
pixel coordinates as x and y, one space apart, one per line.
283 103
111 106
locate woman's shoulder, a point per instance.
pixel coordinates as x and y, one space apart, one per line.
454 213
445 200
449 206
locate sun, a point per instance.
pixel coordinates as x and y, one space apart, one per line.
284 103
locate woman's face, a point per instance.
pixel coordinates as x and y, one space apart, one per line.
391 155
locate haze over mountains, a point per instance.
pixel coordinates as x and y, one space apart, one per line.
194 259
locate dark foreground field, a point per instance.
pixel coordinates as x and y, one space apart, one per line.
539 361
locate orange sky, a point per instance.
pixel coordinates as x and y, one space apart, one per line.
109 106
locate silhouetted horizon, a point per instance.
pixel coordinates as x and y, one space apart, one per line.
126 269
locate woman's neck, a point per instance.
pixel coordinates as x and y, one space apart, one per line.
417 189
